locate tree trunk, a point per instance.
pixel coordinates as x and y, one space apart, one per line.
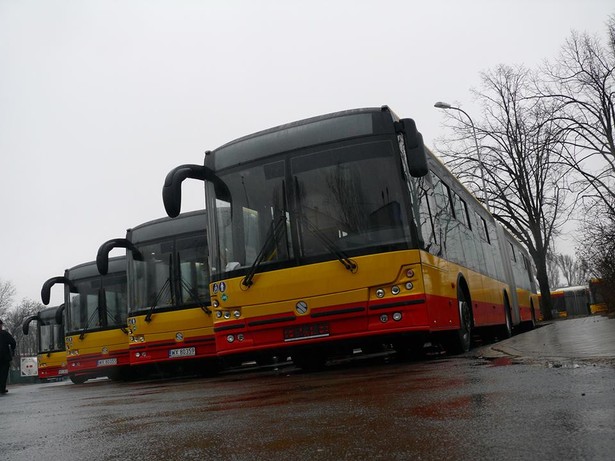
545 290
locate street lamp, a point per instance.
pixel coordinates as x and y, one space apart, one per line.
447 106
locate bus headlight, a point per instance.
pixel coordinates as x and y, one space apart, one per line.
236 314
395 290
227 315
230 339
380 293
409 286
218 314
397 316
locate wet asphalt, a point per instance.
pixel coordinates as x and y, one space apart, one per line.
500 401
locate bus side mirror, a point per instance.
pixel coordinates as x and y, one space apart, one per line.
46 290
102 257
26 326
415 149
172 189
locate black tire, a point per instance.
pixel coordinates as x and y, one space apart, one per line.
78 379
505 331
460 341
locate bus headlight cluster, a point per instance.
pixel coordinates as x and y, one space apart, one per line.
141 354
231 338
228 314
137 339
215 303
73 352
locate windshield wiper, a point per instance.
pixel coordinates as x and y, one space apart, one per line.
87 323
194 294
270 240
167 283
342 257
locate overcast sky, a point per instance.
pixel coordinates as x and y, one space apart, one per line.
100 99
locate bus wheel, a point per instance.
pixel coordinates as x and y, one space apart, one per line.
505 331
458 342
76 379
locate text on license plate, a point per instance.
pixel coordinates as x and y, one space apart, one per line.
106 362
183 352
312 330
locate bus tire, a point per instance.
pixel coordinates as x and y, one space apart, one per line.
505 331
77 379
459 341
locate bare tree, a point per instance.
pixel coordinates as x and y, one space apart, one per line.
582 84
553 270
526 187
13 321
7 293
573 270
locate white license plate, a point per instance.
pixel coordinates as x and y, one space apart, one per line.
62 371
106 362
183 352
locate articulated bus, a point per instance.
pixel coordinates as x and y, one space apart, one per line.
51 355
597 296
169 316
342 231
96 335
570 302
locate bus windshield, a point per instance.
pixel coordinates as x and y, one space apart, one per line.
51 338
312 205
173 274
95 306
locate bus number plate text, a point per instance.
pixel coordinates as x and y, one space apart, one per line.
310 331
183 352
106 362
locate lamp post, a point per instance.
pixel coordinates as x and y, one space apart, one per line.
446 106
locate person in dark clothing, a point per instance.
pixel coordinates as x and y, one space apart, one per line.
7 350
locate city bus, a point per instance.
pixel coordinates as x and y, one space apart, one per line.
51 354
597 296
343 231
95 310
169 320
570 301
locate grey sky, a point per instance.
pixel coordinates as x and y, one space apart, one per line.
100 99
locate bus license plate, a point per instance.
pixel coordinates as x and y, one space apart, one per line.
183 352
106 362
313 330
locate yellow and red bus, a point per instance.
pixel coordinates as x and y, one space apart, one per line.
341 231
95 309
51 354
570 301
597 296
169 316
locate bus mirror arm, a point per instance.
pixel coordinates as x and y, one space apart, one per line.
26 325
46 290
60 314
415 149
171 191
102 257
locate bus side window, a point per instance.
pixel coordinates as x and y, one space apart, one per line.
513 256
